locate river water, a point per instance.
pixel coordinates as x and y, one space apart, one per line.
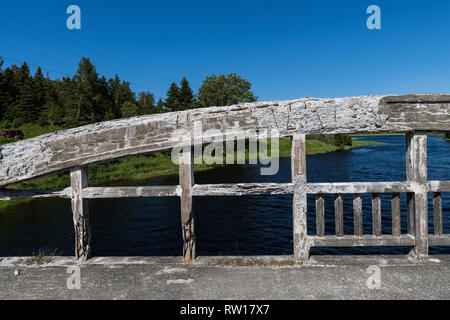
249 225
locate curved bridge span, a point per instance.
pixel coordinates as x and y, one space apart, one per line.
110 140
415 115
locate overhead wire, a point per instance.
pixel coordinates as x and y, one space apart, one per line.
40 29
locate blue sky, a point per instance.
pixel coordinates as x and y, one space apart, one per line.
286 49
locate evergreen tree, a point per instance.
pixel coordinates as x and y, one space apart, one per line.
114 92
55 113
102 101
4 94
129 109
40 94
10 90
22 109
146 103
68 102
186 96
160 106
67 99
86 79
172 101
120 92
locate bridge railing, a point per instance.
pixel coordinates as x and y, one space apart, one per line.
417 188
77 148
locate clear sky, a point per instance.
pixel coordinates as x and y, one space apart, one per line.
286 49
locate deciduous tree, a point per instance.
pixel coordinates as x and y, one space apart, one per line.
225 90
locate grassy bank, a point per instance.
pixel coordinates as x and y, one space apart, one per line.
447 136
29 131
376 134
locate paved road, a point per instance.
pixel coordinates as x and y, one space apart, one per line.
167 278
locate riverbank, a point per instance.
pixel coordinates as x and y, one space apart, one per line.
435 134
137 169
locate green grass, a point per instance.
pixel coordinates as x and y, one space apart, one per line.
251 262
316 147
29 130
377 134
34 130
446 137
40 256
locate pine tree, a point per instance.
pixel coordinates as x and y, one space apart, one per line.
114 92
4 94
120 92
69 102
40 94
186 96
8 98
102 101
22 109
86 80
55 113
146 102
129 109
67 98
160 106
48 111
172 101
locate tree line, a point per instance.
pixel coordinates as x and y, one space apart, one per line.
87 97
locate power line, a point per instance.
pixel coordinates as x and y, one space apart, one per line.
71 52
71 42
35 66
30 51
43 68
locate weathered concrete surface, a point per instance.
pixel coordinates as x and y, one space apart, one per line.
125 137
168 278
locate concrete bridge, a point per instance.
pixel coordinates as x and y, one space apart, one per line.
415 115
